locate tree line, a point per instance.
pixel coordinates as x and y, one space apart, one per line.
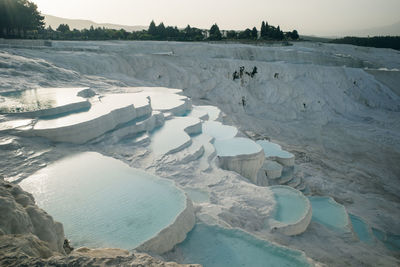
377 41
21 19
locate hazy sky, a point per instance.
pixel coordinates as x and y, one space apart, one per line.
322 17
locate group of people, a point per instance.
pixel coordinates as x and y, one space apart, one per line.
239 75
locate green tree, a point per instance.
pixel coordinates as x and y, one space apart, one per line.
215 33
152 29
63 28
246 34
263 30
231 35
17 17
254 33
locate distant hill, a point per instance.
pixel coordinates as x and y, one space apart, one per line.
392 30
80 24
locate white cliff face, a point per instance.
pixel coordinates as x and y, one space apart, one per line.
318 101
20 216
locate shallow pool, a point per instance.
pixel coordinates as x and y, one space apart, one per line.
172 136
102 202
290 205
236 146
38 99
274 150
100 107
218 130
329 213
201 111
361 229
215 246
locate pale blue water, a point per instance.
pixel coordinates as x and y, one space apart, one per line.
291 206
40 98
197 195
100 107
211 111
171 135
274 150
102 202
361 229
215 246
218 130
236 146
390 241
329 213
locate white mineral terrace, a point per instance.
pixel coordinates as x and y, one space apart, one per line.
42 101
293 211
336 107
128 208
275 151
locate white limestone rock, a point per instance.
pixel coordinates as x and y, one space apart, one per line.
20 215
273 169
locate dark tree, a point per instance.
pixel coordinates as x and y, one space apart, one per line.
63 28
17 17
215 33
263 30
152 28
231 35
254 33
246 34
294 35
160 31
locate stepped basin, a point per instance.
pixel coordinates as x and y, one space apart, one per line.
42 101
241 155
292 212
165 99
218 130
102 202
273 150
174 135
105 114
209 113
328 212
216 246
361 229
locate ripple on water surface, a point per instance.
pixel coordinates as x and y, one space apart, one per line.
102 202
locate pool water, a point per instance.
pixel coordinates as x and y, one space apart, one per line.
361 229
236 146
390 241
102 202
171 135
329 213
218 130
216 246
100 107
290 206
274 150
38 99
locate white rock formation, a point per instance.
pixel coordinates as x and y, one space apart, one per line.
173 234
301 224
20 216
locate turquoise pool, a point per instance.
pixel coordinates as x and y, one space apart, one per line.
361 229
274 150
329 213
216 246
218 130
290 205
236 146
103 202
